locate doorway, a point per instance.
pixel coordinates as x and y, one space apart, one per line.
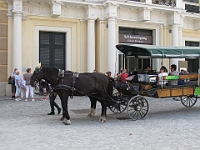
52 49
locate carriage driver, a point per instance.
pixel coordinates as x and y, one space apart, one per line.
111 83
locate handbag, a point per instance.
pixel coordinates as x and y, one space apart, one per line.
10 80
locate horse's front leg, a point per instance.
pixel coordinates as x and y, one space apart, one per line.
103 112
65 115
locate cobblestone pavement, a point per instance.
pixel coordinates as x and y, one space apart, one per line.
168 126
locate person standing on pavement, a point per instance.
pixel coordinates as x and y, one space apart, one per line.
13 85
52 97
44 85
29 88
18 86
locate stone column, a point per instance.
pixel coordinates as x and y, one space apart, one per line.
175 42
17 41
90 45
17 34
111 45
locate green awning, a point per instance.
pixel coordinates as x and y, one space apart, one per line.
159 51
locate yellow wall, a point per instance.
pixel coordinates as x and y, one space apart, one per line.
191 33
78 39
3 41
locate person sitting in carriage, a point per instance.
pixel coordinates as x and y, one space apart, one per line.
111 83
163 72
123 77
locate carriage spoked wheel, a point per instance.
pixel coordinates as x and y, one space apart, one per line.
115 110
137 107
188 101
120 106
121 103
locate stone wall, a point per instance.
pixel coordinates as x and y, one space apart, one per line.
3 47
3 42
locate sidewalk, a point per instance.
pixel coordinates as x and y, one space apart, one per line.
3 98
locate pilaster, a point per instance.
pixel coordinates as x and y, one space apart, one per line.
90 45
111 45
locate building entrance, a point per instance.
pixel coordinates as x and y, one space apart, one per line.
135 36
52 49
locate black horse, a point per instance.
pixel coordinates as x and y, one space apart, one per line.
65 84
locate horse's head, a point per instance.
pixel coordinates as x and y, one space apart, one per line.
37 76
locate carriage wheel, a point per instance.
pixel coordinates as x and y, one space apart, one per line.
122 104
138 107
121 109
188 101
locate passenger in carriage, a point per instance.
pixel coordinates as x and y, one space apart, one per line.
150 71
163 72
111 83
174 82
123 76
181 82
173 73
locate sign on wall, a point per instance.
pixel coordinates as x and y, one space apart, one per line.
139 39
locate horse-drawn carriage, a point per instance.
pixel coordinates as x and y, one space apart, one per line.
130 96
188 93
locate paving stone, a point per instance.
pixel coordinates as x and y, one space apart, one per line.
168 126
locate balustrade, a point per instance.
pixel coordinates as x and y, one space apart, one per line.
192 7
165 2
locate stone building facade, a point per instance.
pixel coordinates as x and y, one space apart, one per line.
3 46
80 35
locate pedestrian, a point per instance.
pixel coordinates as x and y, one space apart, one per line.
44 85
29 88
13 84
52 97
18 86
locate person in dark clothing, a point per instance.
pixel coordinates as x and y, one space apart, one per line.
150 71
52 97
111 83
44 85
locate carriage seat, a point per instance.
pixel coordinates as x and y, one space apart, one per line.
187 84
191 77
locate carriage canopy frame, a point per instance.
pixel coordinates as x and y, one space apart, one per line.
153 51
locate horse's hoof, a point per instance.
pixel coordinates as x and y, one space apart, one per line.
66 122
102 119
89 115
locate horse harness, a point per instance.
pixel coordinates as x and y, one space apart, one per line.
61 75
75 75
